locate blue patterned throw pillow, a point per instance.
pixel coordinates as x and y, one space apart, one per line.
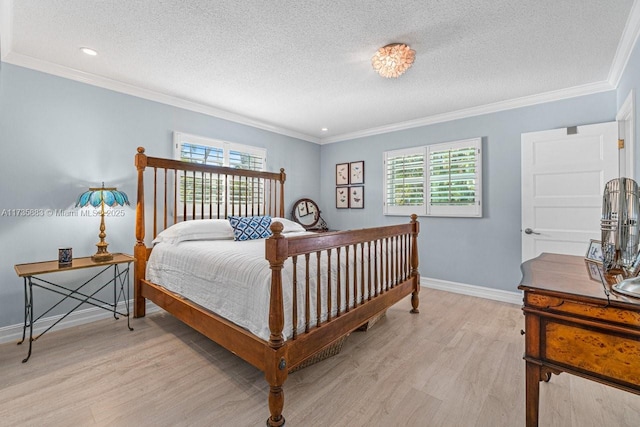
250 227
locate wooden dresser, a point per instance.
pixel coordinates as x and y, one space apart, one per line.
571 326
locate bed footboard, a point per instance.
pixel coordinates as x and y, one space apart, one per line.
362 273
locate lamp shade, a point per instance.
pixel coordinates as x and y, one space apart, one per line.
95 196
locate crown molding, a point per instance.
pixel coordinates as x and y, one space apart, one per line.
117 86
625 47
510 104
128 89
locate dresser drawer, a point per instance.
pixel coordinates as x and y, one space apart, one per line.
582 309
612 356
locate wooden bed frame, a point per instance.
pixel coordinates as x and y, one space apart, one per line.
384 266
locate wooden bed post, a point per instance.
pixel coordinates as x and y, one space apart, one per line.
276 364
415 229
140 250
283 178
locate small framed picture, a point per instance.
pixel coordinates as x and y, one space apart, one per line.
356 197
342 174
342 197
594 253
595 270
356 172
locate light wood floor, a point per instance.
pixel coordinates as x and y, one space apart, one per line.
457 363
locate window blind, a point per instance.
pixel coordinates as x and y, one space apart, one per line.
453 177
405 180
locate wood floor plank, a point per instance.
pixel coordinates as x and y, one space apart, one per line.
457 363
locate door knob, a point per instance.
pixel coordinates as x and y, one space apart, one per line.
529 231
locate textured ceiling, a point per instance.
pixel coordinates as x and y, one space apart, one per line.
299 66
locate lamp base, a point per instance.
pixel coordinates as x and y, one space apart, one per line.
102 254
102 257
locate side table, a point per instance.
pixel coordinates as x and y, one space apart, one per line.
30 272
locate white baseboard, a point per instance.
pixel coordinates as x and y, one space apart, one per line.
472 290
80 317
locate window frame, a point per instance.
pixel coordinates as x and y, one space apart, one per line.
425 208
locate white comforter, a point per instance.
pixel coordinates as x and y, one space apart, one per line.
233 279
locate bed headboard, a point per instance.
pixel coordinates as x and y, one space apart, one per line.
211 192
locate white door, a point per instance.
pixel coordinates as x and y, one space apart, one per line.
563 178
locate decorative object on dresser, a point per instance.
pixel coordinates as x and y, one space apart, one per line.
593 260
101 196
318 287
621 234
307 213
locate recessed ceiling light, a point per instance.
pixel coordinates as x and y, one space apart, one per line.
88 51
324 129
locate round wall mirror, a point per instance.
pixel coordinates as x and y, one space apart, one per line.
306 213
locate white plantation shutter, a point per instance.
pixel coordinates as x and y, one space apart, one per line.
197 149
435 180
203 154
404 181
246 160
454 183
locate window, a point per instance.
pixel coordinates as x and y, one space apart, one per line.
435 180
198 149
211 188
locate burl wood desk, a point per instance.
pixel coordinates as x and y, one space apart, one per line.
571 326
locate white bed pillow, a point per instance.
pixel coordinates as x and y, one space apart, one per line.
289 226
197 229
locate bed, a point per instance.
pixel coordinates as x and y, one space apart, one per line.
294 295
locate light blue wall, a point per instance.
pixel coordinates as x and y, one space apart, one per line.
478 251
631 80
59 137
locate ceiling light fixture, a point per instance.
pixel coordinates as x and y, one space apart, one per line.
88 51
393 60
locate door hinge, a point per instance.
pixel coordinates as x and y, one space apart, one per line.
620 144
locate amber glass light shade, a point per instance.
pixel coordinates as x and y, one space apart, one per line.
392 60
